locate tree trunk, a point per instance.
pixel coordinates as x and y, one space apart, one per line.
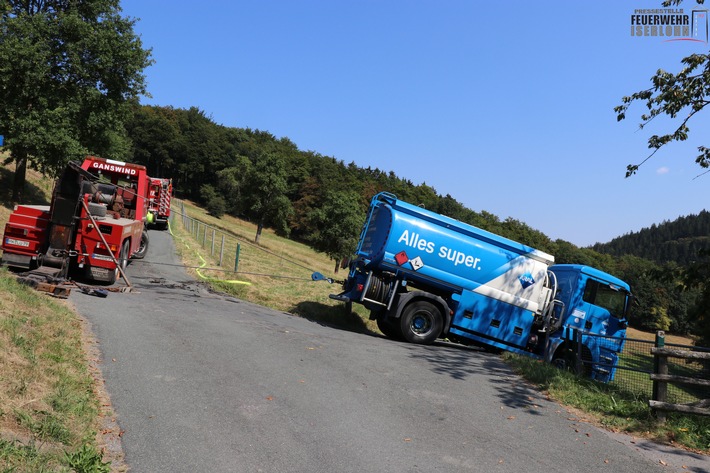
259 228
18 185
337 266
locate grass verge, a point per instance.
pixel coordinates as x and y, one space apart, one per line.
612 407
49 400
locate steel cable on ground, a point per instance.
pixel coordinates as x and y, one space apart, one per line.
246 242
204 263
246 273
295 263
204 268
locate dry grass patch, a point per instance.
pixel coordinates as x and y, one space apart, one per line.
278 270
651 336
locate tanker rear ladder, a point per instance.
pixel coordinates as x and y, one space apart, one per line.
550 323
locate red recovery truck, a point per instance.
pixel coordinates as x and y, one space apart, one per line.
161 191
96 221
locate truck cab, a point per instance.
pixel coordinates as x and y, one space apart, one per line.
94 224
596 305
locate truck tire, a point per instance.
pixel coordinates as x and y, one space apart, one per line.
421 322
143 248
389 328
122 262
566 359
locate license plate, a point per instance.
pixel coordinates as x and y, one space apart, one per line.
101 257
22 243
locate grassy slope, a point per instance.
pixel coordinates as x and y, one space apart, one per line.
278 271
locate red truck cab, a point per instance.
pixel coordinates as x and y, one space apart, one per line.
96 221
161 191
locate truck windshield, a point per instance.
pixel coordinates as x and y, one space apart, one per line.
607 297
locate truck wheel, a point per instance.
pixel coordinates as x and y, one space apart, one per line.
421 322
143 248
566 359
122 262
123 256
388 328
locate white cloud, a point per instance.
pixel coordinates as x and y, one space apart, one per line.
662 170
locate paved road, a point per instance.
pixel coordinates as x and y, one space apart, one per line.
207 383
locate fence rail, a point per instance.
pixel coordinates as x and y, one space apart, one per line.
672 377
661 380
236 253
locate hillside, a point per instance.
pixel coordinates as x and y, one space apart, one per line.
679 241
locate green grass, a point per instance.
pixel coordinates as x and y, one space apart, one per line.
278 271
50 408
613 407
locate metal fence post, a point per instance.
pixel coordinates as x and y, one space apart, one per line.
236 258
213 234
221 251
660 366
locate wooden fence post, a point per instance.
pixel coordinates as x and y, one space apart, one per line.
660 366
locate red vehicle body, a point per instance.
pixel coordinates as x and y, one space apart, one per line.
96 221
161 191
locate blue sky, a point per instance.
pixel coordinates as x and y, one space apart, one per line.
506 106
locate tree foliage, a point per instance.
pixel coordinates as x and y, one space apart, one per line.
679 241
679 95
68 70
336 224
266 194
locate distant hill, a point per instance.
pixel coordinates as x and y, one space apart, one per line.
678 241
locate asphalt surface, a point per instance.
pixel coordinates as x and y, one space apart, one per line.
203 382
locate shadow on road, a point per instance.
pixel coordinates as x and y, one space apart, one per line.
460 362
333 316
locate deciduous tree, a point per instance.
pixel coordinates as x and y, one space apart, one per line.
680 96
266 195
336 224
68 70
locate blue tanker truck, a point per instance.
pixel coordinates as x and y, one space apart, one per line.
425 276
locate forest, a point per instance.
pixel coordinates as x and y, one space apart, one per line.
321 201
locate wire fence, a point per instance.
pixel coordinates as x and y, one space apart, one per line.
235 253
637 366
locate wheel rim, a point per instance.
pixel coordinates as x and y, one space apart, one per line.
124 255
421 323
122 260
141 248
